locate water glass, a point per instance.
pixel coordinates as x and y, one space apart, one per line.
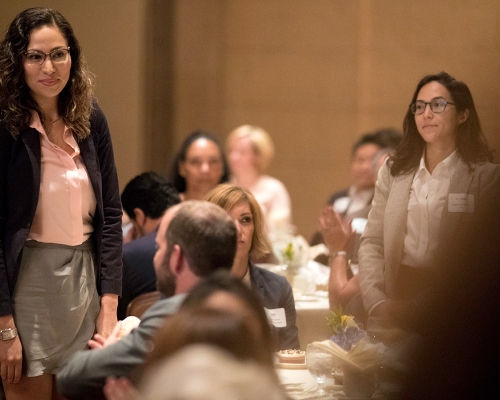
320 364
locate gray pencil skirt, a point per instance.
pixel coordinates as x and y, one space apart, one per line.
55 304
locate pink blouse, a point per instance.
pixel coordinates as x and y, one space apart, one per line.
67 203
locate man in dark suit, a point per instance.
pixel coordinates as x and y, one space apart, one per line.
145 199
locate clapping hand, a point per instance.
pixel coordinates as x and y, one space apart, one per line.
337 232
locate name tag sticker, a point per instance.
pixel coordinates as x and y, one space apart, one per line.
461 202
277 316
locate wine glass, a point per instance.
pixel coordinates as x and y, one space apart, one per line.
320 364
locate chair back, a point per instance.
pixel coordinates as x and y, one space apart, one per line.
141 303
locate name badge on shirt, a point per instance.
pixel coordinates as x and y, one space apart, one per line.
461 202
277 316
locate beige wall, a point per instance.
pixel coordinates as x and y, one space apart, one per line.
315 74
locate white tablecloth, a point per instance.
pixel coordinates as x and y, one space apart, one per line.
300 384
311 318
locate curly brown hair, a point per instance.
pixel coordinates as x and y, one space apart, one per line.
16 104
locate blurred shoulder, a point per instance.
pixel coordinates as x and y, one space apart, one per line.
487 168
98 121
271 182
143 243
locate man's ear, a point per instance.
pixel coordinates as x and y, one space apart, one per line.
177 259
139 217
463 116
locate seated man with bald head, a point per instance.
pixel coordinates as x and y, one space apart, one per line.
195 238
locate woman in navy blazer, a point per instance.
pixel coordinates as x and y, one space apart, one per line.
44 82
274 290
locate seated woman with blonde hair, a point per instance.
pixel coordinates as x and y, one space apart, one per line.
274 290
250 151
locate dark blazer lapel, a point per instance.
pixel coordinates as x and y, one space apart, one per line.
31 140
256 280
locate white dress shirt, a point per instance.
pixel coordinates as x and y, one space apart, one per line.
428 196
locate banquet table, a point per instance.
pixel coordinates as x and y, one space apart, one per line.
311 318
312 305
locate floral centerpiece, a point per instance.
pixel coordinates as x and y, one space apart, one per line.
290 250
346 332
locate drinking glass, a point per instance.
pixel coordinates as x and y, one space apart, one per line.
320 364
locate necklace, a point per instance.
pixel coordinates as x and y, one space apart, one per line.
57 119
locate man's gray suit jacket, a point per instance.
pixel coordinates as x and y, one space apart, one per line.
84 376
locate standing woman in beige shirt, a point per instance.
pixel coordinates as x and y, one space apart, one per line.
60 211
436 180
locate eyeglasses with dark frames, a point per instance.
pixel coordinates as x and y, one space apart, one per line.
437 106
57 56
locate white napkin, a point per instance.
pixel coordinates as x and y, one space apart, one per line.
362 356
128 324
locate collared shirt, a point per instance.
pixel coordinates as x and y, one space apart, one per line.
428 196
356 201
67 202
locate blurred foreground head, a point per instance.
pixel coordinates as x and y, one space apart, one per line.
203 372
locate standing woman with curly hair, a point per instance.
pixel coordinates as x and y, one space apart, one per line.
60 211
